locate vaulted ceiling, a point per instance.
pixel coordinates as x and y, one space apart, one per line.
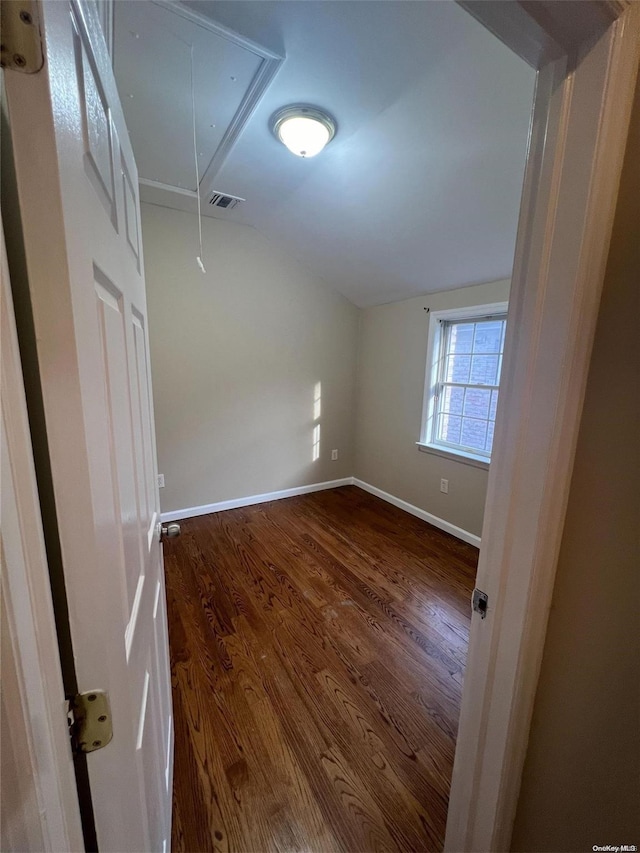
420 189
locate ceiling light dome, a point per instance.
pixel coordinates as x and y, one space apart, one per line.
304 130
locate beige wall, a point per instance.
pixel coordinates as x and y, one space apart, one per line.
581 782
391 372
236 355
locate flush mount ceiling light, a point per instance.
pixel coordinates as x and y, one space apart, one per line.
304 130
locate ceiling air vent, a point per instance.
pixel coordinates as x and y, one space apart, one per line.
224 200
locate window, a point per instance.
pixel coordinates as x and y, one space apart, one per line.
463 381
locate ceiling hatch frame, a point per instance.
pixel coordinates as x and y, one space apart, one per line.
270 64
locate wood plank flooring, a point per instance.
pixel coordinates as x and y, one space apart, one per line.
318 645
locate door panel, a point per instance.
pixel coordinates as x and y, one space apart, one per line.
77 182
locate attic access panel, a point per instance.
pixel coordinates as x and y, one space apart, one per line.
152 65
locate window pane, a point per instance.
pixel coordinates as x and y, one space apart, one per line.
458 367
461 337
488 336
476 402
449 428
452 400
484 369
473 433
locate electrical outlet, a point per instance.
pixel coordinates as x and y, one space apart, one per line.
334 455
161 481
444 486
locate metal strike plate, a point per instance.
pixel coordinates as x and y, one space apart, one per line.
92 728
480 602
21 45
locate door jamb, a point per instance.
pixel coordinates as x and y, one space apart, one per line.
579 128
39 711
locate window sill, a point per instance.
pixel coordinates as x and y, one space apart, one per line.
455 455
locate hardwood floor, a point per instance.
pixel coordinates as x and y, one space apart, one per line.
318 645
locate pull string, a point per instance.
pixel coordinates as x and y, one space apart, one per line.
195 160
195 144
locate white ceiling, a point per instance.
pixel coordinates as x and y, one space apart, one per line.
419 191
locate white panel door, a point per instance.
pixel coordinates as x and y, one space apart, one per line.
78 189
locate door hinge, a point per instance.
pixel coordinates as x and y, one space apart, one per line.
89 717
480 602
21 47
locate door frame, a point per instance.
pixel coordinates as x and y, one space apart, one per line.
586 56
34 704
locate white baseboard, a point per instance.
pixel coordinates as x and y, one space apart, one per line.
458 532
193 511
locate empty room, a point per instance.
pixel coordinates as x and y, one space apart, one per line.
325 384
296 359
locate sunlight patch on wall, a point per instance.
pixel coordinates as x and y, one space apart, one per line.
317 409
317 400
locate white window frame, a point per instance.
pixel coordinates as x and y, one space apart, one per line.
434 345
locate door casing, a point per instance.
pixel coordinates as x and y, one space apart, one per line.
587 60
40 806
